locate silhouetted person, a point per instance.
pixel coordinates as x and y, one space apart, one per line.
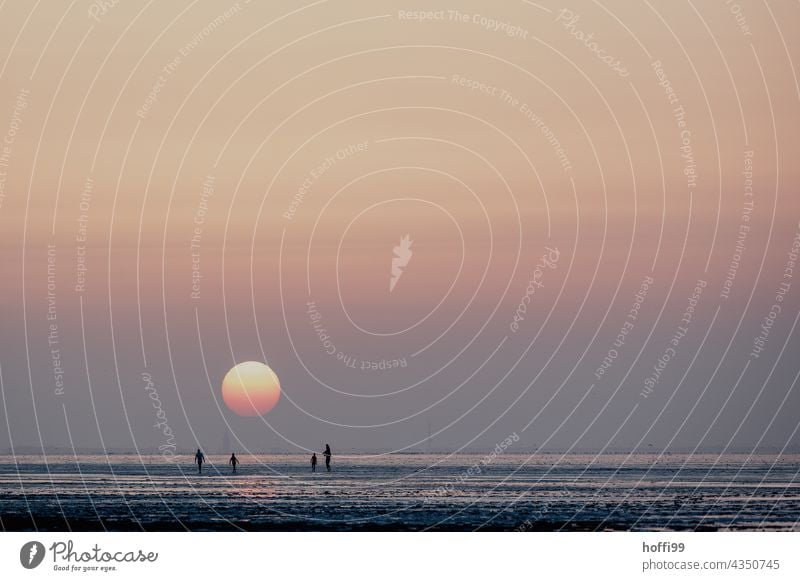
314 462
199 458
233 462
327 454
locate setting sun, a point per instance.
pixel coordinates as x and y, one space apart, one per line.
251 389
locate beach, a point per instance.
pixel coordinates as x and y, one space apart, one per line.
402 492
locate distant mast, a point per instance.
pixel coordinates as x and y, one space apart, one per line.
226 442
430 437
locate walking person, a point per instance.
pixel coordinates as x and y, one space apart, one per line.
233 462
327 454
314 462
199 458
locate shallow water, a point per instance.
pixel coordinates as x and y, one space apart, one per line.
402 492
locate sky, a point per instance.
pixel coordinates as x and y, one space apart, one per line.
600 200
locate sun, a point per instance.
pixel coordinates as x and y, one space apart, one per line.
251 389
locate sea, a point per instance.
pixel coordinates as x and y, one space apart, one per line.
402 492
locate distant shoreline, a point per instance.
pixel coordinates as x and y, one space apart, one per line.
376 454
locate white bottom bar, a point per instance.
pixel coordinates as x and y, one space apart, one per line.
356 556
